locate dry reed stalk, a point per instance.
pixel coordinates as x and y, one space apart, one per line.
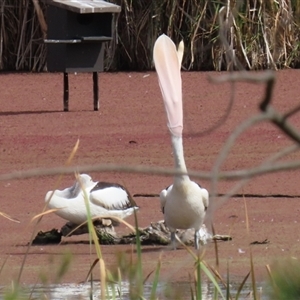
261 34
21 36
40 16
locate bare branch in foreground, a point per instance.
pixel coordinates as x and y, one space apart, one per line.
268 114
292 112
269 162
251 77
223 155
226 175
267 77
281 122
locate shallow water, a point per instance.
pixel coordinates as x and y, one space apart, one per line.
85 291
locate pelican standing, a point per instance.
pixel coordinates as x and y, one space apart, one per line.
184 203
106 200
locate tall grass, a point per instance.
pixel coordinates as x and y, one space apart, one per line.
21 36
262 34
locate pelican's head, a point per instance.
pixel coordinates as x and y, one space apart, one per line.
82 181
85 181
48 196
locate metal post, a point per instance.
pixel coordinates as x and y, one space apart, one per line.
96 90
66 92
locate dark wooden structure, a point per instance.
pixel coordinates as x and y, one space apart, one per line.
77 31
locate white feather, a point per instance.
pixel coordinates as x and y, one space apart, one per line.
110 198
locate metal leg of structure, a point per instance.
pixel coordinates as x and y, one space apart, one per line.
96 90
66 92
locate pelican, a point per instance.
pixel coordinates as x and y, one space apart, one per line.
106 200
184 203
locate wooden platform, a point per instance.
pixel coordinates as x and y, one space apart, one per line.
86 6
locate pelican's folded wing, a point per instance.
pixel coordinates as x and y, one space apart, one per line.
163 197
110 196
205 198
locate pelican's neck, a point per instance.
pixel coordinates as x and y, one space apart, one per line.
74 190
179 157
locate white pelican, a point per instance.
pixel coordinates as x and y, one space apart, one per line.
184 203
105 200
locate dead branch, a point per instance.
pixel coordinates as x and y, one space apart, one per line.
40 17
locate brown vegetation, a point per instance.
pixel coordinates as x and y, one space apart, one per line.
262 34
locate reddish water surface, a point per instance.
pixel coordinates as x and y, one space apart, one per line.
36 133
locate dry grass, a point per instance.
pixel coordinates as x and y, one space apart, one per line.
262 34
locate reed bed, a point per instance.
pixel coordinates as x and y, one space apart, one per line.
262 34
21 36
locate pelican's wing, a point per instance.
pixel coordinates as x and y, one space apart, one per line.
166 61
163 198
205 197
111 196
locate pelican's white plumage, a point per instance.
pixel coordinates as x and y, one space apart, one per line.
184 203
106 200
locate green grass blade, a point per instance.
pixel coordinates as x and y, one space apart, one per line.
63 266
155 281
228 284
241 286
253 276
212 279
198 280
